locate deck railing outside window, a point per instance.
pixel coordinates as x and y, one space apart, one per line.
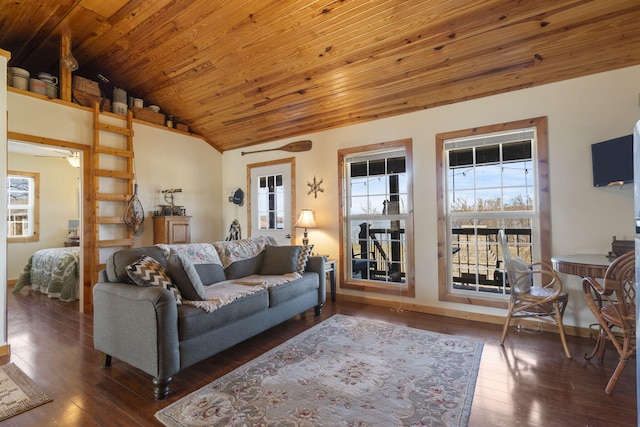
477 260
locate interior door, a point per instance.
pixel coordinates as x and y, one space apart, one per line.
271 202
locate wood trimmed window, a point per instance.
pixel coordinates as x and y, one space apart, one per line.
376 218
489 178
23 206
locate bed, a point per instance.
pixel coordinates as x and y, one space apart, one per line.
54 272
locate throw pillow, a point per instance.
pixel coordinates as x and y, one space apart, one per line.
185 276
146 271
245 267
303 258
280 260
523 281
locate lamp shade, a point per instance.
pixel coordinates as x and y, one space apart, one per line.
307 219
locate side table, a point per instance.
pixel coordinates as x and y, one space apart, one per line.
330 269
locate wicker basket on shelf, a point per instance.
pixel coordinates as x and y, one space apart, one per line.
85 85
148 115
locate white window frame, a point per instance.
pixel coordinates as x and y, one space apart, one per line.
537 249
271 210
399 279
32 207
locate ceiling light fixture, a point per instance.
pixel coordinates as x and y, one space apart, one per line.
74 159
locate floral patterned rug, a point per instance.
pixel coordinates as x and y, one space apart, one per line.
345 371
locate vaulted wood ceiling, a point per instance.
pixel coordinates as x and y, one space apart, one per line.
244 72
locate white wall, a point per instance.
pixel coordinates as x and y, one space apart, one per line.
163 159
584 219
59 202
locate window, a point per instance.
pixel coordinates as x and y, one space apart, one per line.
491 178
22 206
376 230
270 202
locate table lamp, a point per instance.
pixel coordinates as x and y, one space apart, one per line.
306 220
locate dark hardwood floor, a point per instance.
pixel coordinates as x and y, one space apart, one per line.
527 383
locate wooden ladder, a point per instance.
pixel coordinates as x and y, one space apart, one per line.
113 181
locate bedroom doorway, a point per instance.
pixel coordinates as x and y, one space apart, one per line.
66 214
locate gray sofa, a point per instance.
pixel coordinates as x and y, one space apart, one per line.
217 304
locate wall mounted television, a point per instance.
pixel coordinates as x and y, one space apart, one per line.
612 161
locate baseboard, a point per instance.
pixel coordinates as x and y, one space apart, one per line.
11 282
459 314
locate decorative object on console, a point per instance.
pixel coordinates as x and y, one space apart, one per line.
315 187
171 208
306 220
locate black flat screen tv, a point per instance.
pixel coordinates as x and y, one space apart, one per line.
612 161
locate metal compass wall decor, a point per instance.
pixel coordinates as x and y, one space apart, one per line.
315 187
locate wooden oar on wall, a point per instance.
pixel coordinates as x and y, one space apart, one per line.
292 147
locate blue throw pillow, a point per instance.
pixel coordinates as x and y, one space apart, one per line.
280 260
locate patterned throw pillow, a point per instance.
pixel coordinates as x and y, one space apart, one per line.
303 258
146 271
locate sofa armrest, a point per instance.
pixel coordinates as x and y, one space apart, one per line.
138 325
316 265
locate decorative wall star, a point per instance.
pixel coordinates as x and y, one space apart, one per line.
315 187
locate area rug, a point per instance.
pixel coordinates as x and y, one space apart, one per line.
345 371
18 393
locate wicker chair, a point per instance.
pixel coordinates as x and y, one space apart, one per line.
536 292
613 304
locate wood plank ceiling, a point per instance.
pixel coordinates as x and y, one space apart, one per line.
245 72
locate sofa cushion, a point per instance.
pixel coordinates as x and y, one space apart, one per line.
184 275
287 291
245 267
194 321
117 262
146 271
210 273
280 260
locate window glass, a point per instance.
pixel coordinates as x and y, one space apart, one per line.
22 206
492 182
270 202
376 219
